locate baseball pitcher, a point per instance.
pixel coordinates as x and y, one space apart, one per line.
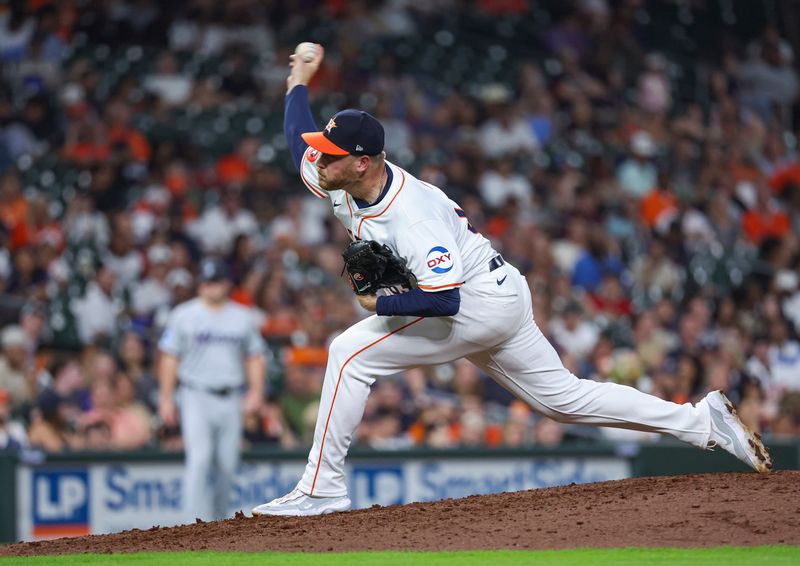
463 301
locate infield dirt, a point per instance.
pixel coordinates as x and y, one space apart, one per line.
677 511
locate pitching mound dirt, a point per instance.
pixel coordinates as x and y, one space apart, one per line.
695 510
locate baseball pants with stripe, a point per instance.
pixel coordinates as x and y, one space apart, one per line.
495 330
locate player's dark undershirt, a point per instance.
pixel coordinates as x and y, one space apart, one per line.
417 302
297 120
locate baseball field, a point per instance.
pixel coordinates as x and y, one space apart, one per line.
694 519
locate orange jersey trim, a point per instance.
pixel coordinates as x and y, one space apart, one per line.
336 390
402 184
316 192
440 287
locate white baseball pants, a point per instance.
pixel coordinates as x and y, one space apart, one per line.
495 330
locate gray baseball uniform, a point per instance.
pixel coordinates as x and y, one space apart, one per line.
211 345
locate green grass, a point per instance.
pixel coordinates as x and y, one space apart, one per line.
771 555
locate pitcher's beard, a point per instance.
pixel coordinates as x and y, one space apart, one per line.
327 184
343 180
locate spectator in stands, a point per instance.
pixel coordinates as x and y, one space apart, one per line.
654 90
181 285
219 225
300 398
595 262
784 357
12 432
237 80
49 428
121 257
14 209
96 311
652 341
153 292
638 175
5 257
788 420
385 430
269 426
16 370
83 224
132 421
787 285
767 78
168 83
505 133
518 429
16 32
656 274
151 214
32 320
765 218
135 363
501 183
548 433
64 385
27 277
574 334
94 434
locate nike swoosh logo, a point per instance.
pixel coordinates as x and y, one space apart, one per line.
501 281
336 204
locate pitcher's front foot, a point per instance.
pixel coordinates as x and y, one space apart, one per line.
298 504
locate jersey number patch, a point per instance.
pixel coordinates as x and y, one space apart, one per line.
462 214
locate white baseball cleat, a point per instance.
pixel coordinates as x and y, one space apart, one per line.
730 434
298 504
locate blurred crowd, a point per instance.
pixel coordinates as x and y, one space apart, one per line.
648 186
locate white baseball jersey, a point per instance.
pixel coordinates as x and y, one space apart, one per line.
211 344
417 221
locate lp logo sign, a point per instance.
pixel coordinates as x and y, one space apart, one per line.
383 485
60 496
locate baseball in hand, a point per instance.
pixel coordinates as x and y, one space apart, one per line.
307 50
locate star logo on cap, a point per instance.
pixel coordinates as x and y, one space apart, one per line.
331 125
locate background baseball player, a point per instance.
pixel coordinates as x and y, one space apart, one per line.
209 347
468 302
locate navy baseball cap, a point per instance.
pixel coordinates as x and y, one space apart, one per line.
212 269
349 132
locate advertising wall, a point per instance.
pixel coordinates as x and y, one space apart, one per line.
63 499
